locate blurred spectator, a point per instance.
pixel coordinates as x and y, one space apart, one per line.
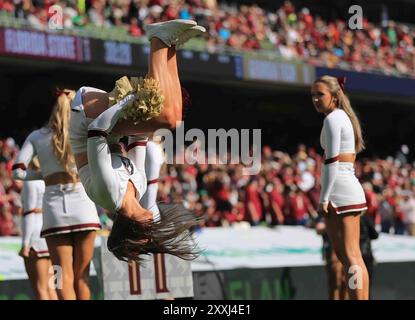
253 204
6 220
387 210
297 207
402 154
10 204
407 207
277 203
372 203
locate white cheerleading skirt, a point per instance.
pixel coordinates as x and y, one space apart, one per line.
38 244
67 209
347 194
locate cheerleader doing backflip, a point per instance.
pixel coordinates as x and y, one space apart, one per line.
115 179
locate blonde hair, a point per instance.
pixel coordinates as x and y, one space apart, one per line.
34 164
59 126
344 103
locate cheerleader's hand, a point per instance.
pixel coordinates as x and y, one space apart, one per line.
24 252
323 209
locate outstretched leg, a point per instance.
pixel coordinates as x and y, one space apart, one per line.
174 76
158 70
162 67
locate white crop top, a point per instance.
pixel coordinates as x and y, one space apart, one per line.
337 136
78 129
39 143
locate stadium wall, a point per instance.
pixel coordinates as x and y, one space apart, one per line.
107 56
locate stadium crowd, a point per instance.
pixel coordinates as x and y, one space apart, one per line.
290 32
285 192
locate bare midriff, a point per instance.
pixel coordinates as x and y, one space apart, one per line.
59 178
347 157
34 210
344 157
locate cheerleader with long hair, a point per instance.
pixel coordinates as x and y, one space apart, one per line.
115 178
34 250
70 218
342 199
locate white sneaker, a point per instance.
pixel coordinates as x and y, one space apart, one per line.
190 33
168 31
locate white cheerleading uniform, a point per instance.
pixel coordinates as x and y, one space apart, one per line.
32 197
106 175
66 207
339 185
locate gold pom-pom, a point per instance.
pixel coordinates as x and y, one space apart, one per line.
122 88
148 102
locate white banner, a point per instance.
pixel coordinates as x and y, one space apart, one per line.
285 246
229 248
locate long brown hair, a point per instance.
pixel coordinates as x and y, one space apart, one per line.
59 126
344 104
171 234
